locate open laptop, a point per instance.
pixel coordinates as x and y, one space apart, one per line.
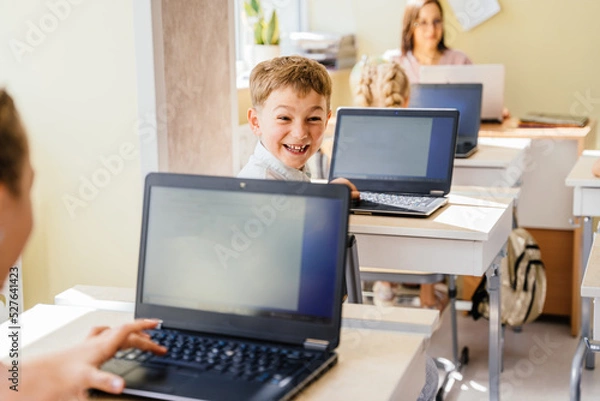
401 160
246 276
490 75
464 97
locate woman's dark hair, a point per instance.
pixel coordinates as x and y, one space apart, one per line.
13 144
411 13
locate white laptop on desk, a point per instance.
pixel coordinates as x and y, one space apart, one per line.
490 75
401 160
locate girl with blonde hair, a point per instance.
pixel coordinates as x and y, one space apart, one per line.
382 84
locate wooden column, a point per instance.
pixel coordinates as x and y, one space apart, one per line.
194 72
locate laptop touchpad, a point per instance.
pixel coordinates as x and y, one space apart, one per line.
158 380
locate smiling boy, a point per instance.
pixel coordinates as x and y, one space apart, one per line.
289 114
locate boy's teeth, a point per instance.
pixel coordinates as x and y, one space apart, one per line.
297 147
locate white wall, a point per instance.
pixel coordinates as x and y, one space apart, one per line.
70 66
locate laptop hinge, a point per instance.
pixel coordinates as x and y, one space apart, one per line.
316 345
435 192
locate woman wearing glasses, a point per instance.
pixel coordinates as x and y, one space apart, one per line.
422 40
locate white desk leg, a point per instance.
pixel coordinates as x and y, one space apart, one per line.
495 351
586 325
581 352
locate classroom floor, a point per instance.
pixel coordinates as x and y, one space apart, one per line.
537 361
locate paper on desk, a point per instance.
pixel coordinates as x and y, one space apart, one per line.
471 13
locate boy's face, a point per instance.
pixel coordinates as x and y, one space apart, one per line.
291 127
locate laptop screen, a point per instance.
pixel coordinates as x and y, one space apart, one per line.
244 252
466 98
394 145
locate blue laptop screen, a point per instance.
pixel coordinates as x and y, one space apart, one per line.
244 253
389 147
466 98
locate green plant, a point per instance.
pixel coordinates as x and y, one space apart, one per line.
264 33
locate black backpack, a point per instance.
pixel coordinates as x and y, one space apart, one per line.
523 286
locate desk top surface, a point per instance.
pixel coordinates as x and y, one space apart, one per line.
495 153
510 129
590 286
494 193
463 218
394 363
581 174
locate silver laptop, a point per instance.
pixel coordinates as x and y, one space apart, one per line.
401 160
490 75
464 97
246 276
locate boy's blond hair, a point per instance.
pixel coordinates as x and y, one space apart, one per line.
382 85
300 73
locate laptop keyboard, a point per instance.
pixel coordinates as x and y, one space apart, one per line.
236 359
418 203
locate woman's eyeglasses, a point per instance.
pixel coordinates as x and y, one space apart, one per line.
436 23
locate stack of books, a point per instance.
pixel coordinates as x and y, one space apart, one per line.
332 50
550 120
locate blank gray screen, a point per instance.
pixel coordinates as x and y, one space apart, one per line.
212 250
382 147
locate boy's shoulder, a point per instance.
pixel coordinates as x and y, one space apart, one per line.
254 170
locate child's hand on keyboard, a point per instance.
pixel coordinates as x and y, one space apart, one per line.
353 190
68 374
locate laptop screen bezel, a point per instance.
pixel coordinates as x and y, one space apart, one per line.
435 188
254 327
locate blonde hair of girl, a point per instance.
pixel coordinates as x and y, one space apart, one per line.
382 85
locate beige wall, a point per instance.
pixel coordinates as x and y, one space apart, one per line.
76 88
549 47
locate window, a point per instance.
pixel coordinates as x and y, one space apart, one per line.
292 15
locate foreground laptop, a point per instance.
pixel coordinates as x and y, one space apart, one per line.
246 276
401 160
490 75
466 98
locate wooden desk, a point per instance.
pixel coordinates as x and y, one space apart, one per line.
373 364
586 204
465 237
552 154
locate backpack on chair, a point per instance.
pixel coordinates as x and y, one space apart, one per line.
523 283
